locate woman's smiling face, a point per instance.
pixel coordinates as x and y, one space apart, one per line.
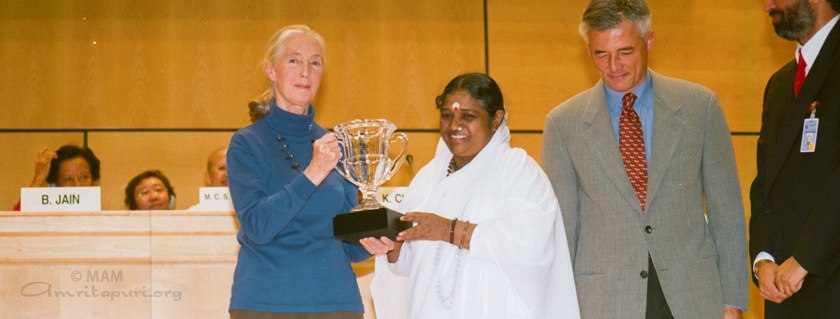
465 126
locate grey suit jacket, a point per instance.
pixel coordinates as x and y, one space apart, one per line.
701 265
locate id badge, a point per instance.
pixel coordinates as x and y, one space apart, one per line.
809 135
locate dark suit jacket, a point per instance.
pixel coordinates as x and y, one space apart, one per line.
796 196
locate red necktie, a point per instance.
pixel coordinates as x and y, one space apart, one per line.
632 145
800 73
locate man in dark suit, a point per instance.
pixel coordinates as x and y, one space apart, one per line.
795 222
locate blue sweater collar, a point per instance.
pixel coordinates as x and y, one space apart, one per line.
291 124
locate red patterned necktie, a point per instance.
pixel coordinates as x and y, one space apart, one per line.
632 145
800 73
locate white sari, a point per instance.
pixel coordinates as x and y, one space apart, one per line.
518 264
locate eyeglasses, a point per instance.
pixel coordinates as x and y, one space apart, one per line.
156 192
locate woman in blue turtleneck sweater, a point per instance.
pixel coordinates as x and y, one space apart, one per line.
285 192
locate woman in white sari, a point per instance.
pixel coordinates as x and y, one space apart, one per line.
485 243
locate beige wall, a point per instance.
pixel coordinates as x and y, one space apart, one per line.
192 64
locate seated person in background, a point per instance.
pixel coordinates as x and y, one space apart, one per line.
150 191
70 165
216 175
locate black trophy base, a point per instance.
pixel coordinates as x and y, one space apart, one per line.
351 227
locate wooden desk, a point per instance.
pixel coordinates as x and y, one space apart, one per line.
119 264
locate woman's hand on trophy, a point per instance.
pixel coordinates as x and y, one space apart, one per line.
325 155
428 226
377 246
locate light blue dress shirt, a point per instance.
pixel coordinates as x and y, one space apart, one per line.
643 107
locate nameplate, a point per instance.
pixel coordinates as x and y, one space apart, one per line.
214 198
60 199
391 197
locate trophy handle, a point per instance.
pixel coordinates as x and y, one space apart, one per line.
340 166
401 156
340 169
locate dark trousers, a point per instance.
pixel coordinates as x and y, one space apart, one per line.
657 307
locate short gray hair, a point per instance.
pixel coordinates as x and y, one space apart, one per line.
602 15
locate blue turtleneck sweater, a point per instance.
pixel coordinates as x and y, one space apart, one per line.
289 260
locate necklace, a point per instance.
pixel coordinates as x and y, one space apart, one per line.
447 298
451 169
451 278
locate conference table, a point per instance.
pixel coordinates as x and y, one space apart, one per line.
122 264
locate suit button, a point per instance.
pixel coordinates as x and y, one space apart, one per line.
648 229
643 274
791 206
768 211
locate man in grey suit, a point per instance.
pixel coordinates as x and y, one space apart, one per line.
635 162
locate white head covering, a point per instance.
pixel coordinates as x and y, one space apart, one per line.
512 249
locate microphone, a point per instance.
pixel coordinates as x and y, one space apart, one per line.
410 160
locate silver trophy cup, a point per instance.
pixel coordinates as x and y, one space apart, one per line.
366 163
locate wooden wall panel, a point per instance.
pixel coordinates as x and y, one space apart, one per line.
536 56
181 156
162 64
531 143
421 146
18 158
165 64
390 59
731 49
745 158
539 58
745 149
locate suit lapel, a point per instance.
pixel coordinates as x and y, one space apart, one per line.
799 110
667 131
600 138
